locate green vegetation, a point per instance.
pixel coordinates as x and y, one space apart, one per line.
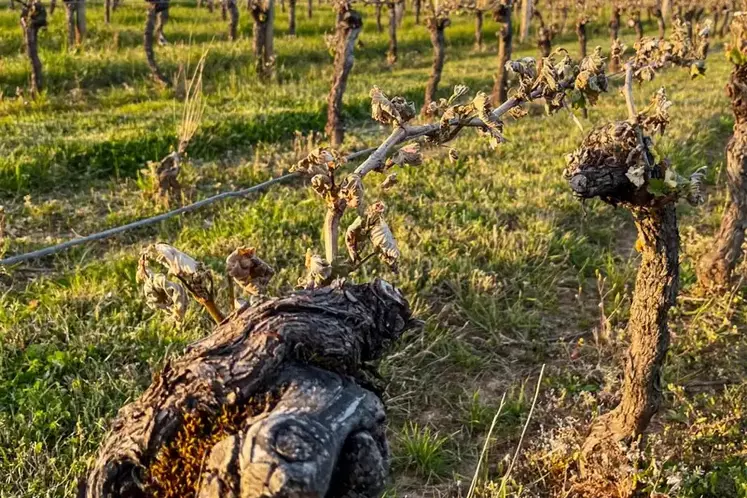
507 269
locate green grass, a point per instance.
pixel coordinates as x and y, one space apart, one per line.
501 262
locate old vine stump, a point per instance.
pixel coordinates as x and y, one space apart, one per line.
320 434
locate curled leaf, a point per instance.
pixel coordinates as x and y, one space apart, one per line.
160 293
249 271
381 235
389 182
318 272
352 191
195 276
408 155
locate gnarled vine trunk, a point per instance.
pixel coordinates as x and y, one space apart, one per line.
416 5
292 17
155 8
34 18
436 27
500 88
600 168
478 29
527 10
715 269
263 14
348 28
321 433
582 42
637 24
310 8
378 7
391 55
75 13
544 36
581 35
233 19
660 22
655 293
107 11
615 23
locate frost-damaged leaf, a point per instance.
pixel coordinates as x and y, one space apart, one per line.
694 191
493 127
249 271
655 117
160 293
459 92
195 276
408 155
355 238
319 161
352 191
318 272
381 236
395 111
389 182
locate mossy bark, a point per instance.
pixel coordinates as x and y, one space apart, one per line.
322 435
348 28
716 268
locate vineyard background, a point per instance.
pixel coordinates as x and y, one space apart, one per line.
507 269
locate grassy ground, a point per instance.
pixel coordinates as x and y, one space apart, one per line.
508 271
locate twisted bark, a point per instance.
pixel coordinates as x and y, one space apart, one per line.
348 29
600 169
417 5
655 293
322 435
379 27
436 27
500 88
34 18
310 8
715 269
155 7
107 11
